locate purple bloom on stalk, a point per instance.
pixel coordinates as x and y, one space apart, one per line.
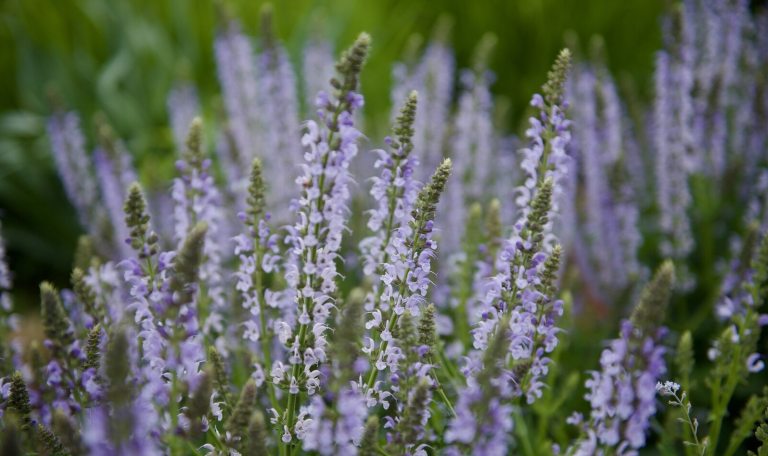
198 200
394 190
611 214
74 168
622 394
671 138
523 292
236 64
406 276
5 280
315 239
472 153
336 432
433 77
115 174
280 146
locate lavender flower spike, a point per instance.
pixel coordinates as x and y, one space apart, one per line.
394 190
73 166
280 145
198 200
316 237
236 65
623 393
407 276
5 278
525 286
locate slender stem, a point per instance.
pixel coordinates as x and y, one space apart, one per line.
691 427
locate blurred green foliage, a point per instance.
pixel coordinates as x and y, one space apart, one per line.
121 57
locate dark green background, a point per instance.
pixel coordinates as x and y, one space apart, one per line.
121 57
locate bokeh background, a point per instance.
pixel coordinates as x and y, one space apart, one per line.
121 57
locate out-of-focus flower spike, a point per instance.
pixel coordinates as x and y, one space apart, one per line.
279 105
58 327
220 377
483 421
651 309
236 64
183 106
74 168
237 424
115 173
199 404
50 441
93 349
143 240
369 442
344 341
186 264
256 443
18 399
5 277
471 147
684 358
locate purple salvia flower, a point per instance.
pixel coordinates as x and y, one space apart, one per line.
5 280
517 326
236 63
315 239
115 173
395 191
336 432
406 277
622 394
280 146
673 194
74 168
198 200
610 214
433 78
472 154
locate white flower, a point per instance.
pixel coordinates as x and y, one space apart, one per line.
667 388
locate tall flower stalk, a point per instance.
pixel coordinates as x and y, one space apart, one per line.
316 237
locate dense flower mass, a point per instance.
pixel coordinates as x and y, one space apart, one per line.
290 293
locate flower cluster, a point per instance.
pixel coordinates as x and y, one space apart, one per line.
451 306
